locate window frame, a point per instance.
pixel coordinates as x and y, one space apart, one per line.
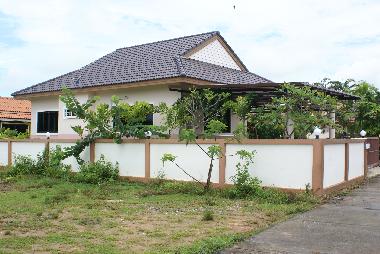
65 116
44 133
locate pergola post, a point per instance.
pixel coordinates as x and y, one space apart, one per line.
290 128
331 129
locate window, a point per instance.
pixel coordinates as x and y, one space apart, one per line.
47 122
149 120
68 114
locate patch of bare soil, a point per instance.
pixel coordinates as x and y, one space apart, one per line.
5 186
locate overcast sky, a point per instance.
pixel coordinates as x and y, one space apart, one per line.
300 40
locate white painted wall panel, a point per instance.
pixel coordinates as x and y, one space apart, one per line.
334 163
71 160
215 53
27 148
3 153
131 157
46 103
356 160
189 157
285 166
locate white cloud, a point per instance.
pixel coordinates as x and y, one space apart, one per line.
295 40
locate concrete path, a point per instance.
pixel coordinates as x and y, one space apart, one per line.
347 225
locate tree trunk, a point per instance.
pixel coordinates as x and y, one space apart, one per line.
208 183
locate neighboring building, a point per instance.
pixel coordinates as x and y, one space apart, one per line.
15 114
154 72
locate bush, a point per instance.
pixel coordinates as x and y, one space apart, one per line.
98 172
25 165
244 184
12 134
208 215
45 165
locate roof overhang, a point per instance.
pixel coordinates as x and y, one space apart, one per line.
269 89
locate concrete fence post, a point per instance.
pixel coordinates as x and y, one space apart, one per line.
365 160
318 167
222 163
92 152
347 161
147 159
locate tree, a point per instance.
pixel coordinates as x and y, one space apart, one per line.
305 107
359 114
196 109
193 112
105 121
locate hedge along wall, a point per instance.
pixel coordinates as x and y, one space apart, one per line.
324 165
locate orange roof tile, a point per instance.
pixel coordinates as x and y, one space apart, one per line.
15 109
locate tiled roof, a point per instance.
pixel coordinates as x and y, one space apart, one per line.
150 61
11 108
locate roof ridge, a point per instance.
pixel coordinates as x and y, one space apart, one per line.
182 37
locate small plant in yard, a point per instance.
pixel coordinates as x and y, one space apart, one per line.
98 172
48 163
24 165
12 134
245 185
208 215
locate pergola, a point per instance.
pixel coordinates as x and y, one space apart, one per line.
265 92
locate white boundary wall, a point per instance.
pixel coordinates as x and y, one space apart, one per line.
334 163
290 164
284 166
356 163
71 160
189 157
131 157
31 149
3 153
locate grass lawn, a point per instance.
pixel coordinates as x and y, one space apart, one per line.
43 215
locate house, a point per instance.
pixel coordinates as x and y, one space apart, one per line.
153 72
15 114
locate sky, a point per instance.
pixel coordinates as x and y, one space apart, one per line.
294 40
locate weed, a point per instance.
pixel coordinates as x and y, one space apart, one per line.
89 221
208 215
57 198
98 172
209 200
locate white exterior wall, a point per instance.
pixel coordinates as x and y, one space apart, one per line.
190 157
234 122
151 94
356 160
46 103
64 124
131 157
3 153
334 164
27 148
71 160
285 166
215 53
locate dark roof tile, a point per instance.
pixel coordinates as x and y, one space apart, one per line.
150 61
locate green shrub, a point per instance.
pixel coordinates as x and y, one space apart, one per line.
47 164
208 215
12 134
245 185
25 165
98 172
